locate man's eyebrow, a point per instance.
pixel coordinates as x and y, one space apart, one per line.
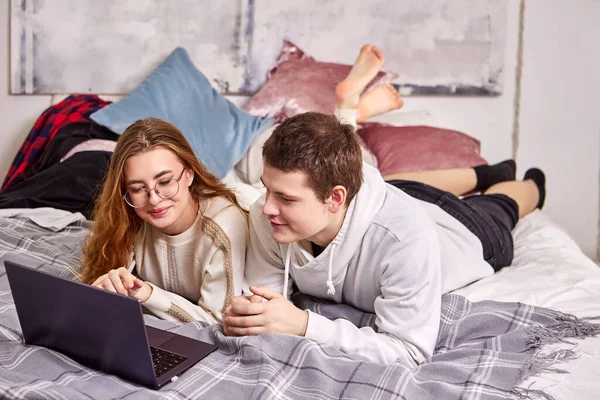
160 174
280 193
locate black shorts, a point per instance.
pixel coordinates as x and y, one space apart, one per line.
490 217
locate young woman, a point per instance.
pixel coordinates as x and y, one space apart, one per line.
166 231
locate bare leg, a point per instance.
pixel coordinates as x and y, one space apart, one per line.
382 99
525 193
457 181
366 66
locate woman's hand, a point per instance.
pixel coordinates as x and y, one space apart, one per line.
122 281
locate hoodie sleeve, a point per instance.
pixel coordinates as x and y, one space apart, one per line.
407 309
264 262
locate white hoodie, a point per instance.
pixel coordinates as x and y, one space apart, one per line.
393 256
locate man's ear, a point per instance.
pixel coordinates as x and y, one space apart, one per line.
337 200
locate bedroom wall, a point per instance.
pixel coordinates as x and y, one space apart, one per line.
559 122
560 114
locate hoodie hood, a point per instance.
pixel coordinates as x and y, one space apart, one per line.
326 272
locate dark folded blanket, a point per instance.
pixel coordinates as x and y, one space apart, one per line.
72 185
75 108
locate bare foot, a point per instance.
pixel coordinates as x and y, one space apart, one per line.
377 101
366 66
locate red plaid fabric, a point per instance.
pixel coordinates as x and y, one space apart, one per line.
75 108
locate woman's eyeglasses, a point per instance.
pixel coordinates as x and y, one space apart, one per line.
165 189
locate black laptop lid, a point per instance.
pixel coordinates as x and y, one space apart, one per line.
99 329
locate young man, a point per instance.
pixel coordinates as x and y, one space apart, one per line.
341 233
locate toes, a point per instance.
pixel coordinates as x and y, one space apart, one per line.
366 48
377 51
396 92
389 87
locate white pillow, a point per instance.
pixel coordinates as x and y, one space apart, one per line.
245 193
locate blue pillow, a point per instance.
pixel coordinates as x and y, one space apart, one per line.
176 91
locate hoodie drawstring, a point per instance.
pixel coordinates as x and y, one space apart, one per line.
286 277
330 287
286 272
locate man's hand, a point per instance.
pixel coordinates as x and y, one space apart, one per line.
237 303
251 316
122 281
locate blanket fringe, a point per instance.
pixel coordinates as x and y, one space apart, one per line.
525 394
567 327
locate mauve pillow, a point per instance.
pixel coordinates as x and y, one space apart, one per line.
419 148
298 83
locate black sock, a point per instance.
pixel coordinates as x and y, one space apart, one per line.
488 175
539 178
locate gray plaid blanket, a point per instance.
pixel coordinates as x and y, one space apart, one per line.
484 349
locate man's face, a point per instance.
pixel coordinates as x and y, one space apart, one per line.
292 207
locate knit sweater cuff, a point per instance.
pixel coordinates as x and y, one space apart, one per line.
158 301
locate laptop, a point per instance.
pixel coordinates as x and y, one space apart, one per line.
99 329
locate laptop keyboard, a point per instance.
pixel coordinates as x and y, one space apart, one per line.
164 360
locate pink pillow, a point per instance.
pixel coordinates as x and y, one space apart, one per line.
419 148
298 83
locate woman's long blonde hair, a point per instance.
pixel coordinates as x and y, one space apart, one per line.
116 224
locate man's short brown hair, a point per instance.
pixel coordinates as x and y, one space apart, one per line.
320 146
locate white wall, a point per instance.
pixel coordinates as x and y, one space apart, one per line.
560 123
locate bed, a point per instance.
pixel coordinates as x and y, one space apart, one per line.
556 273
549 271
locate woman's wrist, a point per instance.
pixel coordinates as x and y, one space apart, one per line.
144 293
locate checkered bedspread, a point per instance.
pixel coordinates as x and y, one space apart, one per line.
484 349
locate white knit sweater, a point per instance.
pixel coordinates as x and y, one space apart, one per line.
195 273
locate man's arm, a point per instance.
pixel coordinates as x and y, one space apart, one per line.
407 310
264 262
264 267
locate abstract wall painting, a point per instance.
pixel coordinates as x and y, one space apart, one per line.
449 47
